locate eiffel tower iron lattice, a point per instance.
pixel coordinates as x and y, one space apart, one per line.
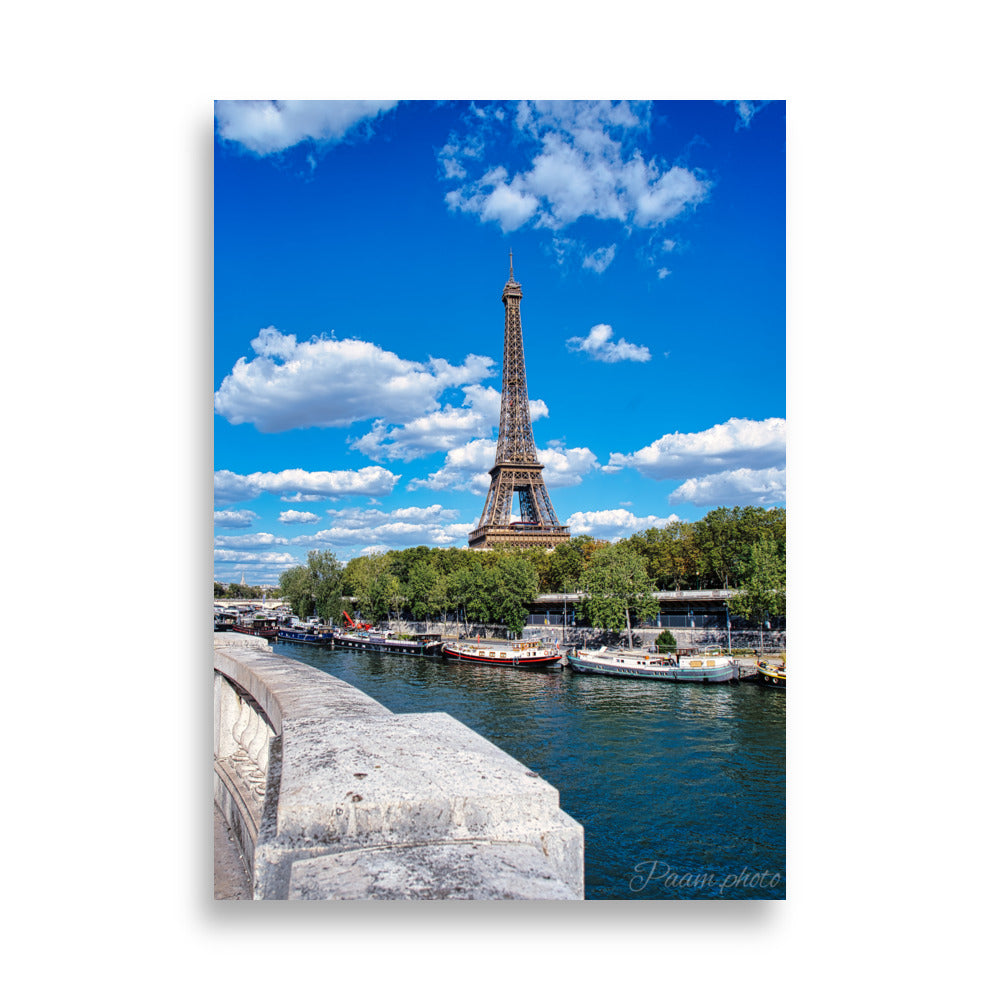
516 469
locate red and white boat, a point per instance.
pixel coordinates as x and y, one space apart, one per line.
523 653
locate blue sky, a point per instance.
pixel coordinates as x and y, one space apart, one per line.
360 252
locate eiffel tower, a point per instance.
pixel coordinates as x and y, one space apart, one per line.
516 469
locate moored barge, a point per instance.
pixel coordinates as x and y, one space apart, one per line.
525 654
705 668
263 625
309 635
386 641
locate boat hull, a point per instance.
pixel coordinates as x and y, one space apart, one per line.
769 677
267 633
403 646
306 638
492 657
720 673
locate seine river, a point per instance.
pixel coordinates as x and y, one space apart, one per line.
680 788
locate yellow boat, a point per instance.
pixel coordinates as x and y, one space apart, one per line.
770 674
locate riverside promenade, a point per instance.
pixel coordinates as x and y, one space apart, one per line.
322 793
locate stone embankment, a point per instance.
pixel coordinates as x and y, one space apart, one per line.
329 795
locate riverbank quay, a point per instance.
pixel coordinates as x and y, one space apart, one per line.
329 795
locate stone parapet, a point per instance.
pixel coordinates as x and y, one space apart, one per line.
333 796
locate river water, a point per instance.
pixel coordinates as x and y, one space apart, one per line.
680 788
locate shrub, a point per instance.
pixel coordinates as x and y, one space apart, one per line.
665 642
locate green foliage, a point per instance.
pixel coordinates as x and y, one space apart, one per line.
563 566
731 548
670 555
763 593
518 587
665 642
618 589
297 591
713 553
369 580
421 585
315 588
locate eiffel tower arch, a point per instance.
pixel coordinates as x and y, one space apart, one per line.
516 471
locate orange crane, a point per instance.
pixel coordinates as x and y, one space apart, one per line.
354 624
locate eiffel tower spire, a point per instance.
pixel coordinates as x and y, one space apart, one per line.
516 469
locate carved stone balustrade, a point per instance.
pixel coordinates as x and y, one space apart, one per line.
332 796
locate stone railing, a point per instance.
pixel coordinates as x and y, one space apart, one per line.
332 796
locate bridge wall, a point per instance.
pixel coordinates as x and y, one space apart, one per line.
332 796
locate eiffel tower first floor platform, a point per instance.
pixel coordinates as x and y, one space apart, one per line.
518 536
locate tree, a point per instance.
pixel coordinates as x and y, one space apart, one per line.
763 592
666 642
562 569
437 599
717 538
295 587
368 579
461 585
483 589
315 587
423 578
518 587
325 576
618 589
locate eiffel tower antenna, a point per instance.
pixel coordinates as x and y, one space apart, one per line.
516 470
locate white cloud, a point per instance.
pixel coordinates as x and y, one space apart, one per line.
614 525
297 517
753 444
443 430
662 272
255 558
371 481
585 163
260 540
566 466
599 345
290 384
745 111
510 205
570 253
600 259
265 127
366 517
234 518
404 527
467 467
735 487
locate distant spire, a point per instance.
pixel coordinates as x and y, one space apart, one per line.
512 264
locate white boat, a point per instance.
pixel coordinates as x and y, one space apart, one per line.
525 653
711 667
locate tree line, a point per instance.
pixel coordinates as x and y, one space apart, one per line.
740 548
